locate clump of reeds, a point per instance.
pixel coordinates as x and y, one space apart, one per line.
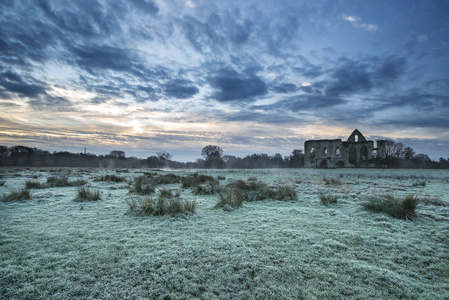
142 185
63 181
86 194
332 181
230 199
327 199
395 207
16 195
112 178
32 184
167 203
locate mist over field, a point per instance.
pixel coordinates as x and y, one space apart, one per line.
84 233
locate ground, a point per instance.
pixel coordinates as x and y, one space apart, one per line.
52 247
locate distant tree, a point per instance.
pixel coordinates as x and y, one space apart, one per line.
163 155
297 159
212 155
393 149
407 153
117 154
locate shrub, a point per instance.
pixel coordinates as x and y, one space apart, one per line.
17 195
56 181
327 199
419 183
143 186
86 194
2 182
397 208
332 181
230 199
32 184
164 205
167 193
63 181
257 191
284 193
208 188
167 179
195 179
112 178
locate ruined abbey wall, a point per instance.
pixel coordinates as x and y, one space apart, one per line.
355 152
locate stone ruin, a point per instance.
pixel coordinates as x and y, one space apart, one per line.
355 152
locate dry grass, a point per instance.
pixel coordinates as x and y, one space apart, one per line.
86 194
395 207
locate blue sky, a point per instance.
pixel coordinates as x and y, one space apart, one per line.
250 76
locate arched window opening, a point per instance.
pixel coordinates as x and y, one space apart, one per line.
337 151
375 153
312 153
356 138
325 151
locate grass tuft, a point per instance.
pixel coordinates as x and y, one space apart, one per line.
257 191
192 181
167 203
17 195
112 178
332 181
32 184
398 208
2 182
230 199
327 199
86 194
63 181
143 186
419 183
167 179
286 193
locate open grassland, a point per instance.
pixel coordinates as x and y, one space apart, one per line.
317 242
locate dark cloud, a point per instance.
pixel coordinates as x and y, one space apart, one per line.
180 89
147 6
303 103
217 32
91 57
13 83
258 117
285 88
233 86
50 103
363 75
307 69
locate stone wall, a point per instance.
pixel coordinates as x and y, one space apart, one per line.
355 152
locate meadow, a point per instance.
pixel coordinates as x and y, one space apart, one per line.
71 233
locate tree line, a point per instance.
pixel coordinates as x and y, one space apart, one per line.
398 156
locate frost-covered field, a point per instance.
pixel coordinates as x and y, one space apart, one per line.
54 247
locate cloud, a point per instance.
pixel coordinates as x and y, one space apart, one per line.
356 22
233 86
353 76
304 103
50 103
91 57
13 83
180 89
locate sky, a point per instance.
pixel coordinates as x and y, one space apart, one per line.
144 76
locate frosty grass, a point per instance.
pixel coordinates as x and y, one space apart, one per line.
52 247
